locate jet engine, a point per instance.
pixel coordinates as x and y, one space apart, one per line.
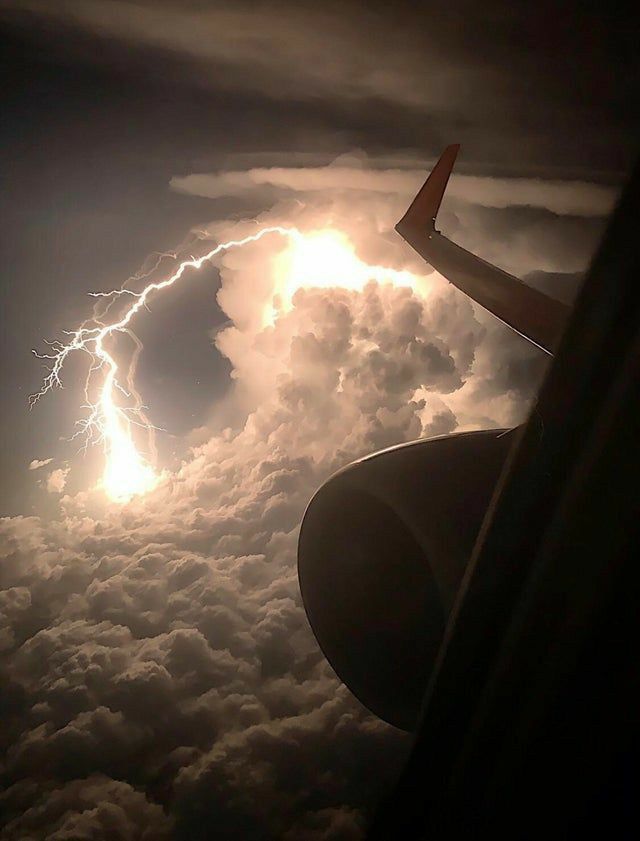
383 547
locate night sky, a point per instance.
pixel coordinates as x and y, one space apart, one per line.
161 677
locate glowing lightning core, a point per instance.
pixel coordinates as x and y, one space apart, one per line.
322 259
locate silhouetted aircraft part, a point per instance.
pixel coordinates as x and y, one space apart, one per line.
530 726
526 310
383 546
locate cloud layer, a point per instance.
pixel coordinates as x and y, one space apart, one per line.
577 198
162 680
280 49
520 93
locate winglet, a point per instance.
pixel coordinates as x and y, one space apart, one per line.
421 215
535 316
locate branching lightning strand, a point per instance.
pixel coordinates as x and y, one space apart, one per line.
127 472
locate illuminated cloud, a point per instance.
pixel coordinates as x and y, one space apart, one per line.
36 464
171 628
56 480
577 198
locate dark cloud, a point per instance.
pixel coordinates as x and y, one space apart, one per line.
545 73
96 807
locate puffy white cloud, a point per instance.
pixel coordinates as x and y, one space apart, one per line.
56 480
161 675
36 464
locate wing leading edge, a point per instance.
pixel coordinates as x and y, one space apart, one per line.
532 314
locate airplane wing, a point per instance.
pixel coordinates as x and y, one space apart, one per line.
532 314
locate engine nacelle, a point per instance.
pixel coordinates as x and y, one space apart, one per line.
382 550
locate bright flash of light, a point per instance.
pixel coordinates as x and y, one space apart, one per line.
321 259
325 259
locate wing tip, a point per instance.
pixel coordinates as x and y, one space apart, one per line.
422 212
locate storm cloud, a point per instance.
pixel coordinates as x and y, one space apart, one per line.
171 630
162 678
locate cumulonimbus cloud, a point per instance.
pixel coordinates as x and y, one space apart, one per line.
160 673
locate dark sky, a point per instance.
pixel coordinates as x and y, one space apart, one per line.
158 660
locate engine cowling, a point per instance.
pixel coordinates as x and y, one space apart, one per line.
383 546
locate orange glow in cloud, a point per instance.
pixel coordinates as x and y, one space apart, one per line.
324 259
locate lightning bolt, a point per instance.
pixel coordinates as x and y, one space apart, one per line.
127 473
321 259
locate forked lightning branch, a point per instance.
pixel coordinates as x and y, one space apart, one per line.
319 259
